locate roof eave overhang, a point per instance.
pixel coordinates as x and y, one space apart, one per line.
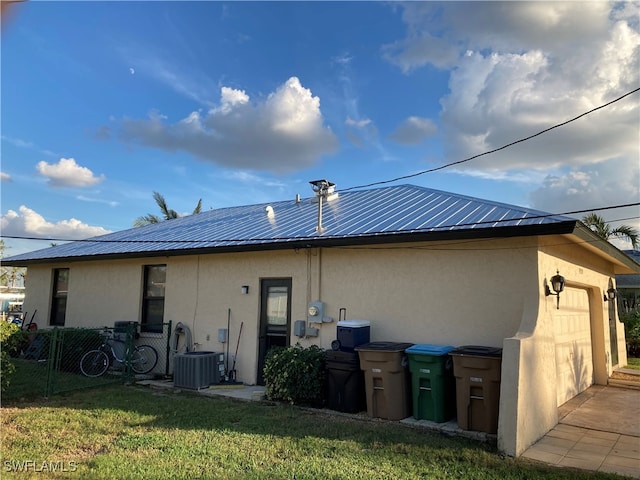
558 228
623 263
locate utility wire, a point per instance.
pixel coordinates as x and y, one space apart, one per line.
458 162
265 239
404 177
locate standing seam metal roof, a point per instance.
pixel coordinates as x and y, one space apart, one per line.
395 210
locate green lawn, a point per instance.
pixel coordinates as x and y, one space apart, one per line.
633 363
134 432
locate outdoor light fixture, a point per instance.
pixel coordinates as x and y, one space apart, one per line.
610 295
557 283
244 289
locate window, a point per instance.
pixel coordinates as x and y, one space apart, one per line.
153 298
59 296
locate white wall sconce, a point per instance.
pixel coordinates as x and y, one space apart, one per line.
610 295
244 289
557 283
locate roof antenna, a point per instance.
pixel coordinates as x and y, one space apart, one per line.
322 189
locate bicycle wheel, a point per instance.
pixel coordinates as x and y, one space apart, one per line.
144 359
94 363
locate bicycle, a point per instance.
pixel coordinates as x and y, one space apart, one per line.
95 363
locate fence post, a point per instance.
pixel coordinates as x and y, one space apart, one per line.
166 369
128 352
51 362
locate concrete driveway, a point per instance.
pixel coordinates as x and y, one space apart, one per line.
598 430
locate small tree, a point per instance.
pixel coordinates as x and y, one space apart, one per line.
11 276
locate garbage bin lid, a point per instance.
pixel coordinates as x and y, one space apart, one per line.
341 356
354 323
427 349
383 346
477 350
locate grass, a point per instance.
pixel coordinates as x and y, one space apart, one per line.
633 363
133 432
30 380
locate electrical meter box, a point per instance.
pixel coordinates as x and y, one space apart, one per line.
315 312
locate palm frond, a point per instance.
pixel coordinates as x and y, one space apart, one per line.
198 208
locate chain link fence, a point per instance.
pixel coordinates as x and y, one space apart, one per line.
59 360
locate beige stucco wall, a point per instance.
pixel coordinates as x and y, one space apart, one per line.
482 292
529 359
442 294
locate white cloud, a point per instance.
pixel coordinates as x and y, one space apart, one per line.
28 223
521 67
413 130
421 50
18 142
282 133
67 173
606 184
5 177
591 186
111 203
362 123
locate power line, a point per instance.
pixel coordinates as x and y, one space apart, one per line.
264 239
458 162
404 177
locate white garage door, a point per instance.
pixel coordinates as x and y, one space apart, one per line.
574 358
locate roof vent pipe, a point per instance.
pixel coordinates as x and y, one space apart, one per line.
270 212
322 189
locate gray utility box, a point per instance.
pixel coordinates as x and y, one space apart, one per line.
198 370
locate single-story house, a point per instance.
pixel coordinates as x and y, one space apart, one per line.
422 265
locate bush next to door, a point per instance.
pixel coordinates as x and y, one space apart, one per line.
296 375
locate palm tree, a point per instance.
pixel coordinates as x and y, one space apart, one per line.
601 228
167 213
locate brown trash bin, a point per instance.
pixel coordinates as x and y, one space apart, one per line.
477 370
387 379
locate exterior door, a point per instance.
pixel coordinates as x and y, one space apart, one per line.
574 356
275 318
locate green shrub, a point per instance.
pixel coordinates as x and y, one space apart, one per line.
13 339
9 342
296 375
631 322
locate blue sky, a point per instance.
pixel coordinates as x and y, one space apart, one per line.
236 103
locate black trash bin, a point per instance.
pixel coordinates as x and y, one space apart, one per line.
345 382
387 379
477 370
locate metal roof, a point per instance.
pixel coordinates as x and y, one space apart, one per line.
395 213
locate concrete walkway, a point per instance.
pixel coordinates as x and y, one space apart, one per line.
598 430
